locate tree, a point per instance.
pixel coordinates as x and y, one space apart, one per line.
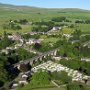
25 67
1 83
3 71
74 86
24 54
13 58
5 42
23 21
79 21
40 78
71 26
87 21
37 46
61 76
76 34
12 25
59 19
40 28
64 77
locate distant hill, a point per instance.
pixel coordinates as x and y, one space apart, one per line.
8 7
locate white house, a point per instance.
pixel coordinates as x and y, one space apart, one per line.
4 51
57 58
14 86
23 81
24 76
56 28
15 36
33 41
85 59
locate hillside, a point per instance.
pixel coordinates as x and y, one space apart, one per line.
8 7
13 12
27 9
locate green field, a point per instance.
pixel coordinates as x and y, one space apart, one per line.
33 14
68 30
55 88
24 29
85 28
49 87
49 39
52 89
28 87
87 88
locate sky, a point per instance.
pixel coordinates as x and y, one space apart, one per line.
82 4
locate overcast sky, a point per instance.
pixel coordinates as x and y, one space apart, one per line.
82 4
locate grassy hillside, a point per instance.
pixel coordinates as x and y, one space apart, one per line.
8 12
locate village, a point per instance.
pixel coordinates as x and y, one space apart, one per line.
47 65
51 50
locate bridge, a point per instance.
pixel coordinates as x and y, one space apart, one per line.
36 58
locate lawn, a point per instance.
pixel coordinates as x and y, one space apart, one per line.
49 87
25 29
49 39
85 28
61 88
67 30
87 88
54 88
28 87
